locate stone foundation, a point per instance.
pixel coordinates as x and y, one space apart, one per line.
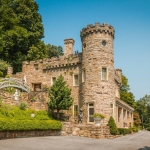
33 133
90 131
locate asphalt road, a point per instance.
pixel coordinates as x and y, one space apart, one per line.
138 141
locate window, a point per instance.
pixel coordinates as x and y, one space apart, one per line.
35 66
104 73
83 75
104 43
76 80
37 87
75 110
53 80
111 109
90 112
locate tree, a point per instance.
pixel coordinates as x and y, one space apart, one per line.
125 94
37 52
3 68
22 28
53 51
60 96
137 119
113 127
143 108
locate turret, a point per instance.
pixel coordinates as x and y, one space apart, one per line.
98 66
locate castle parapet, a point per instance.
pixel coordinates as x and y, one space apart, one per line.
54 62
97 28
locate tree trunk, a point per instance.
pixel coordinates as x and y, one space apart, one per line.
57 114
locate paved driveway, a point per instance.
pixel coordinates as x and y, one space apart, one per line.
138 141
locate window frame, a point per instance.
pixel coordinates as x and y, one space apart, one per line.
52 81
93 106
83 75
74 80
104 67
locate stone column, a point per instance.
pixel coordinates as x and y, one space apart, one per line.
116 115
10 71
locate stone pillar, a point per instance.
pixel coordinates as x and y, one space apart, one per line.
10 71
122 117
116 115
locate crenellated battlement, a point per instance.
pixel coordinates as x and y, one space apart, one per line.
97 28
55 62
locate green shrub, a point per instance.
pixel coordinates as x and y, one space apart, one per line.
124 130
113 127
7 111
13 124
23 106
13 118
134 129
148 128
98 115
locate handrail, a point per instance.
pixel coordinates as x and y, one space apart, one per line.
14 82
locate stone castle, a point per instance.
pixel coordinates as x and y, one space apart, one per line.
91 75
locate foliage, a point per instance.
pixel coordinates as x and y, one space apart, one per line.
23 106
60 96
143 108
148 128
53 51
10 90
137 119
13 124
125 95
113 127
21 30
13 118
3 68
21 33
95 115
127 130
37 52
124 131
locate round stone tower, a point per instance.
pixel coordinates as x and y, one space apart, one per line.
98 82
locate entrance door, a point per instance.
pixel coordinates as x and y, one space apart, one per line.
90 112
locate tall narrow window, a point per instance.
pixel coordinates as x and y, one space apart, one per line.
53 80
91 112
104 74
111 109
76 80
36 66
83 75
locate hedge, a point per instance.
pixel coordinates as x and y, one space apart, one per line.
127 130
13 124
124 131
13 118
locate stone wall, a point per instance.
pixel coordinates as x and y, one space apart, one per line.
90 131
34 100
28 133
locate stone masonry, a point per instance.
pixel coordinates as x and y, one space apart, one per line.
91 75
